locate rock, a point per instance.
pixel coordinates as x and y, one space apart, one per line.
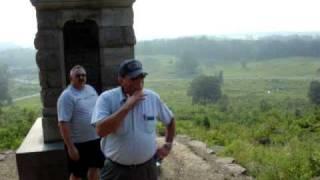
210 151
235 169
2 157
183 137
197 144
9 152
217 149
225 160
198 147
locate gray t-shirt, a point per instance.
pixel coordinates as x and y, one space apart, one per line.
76 106
135 140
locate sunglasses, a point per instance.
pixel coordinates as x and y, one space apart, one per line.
81 75
141 76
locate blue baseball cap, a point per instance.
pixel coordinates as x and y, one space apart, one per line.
132 68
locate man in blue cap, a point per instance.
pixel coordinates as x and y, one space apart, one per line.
125 117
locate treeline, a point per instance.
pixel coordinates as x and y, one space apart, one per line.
18 57
215 49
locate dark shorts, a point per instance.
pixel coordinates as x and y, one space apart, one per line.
90 157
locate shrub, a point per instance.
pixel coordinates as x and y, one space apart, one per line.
187 65
314 92
205 89
14 126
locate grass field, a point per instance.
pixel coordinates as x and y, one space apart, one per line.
266 121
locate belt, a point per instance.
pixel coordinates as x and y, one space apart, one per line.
133 165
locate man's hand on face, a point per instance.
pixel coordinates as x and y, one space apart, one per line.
134 98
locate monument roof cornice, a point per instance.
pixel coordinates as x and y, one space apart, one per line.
70 4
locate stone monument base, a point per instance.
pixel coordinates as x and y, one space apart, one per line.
37 160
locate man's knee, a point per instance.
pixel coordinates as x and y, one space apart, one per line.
73 177
93 173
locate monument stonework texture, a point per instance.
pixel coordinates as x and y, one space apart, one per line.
97 34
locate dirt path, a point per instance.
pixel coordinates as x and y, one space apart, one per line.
189 160
8 169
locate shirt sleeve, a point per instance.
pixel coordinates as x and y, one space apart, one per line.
101 110
165 115
65 107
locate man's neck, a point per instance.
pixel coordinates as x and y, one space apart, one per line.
78 87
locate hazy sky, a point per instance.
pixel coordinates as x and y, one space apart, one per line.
174 18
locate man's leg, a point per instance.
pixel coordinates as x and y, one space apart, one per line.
93 173
111 171
146 172
72 177
76 168
94 159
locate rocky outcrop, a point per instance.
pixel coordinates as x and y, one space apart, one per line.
192 159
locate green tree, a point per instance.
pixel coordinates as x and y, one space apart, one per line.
187 65
4 76
205 89
314 92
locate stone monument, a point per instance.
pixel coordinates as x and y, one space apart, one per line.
97 34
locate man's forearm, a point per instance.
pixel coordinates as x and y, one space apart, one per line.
170 131
65 133
113 122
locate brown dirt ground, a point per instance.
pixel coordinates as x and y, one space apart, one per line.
181 164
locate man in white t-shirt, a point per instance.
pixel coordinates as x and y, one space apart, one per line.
82 144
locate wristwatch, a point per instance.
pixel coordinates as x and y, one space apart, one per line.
168 145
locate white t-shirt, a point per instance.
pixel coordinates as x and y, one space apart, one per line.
76 106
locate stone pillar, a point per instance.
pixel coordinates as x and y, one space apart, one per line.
116 43
114 19
49 59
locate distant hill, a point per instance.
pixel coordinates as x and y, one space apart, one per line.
7 45
259 35
17 57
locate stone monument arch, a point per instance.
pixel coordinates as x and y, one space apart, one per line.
97 34
81 46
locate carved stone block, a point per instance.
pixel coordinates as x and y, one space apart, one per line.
110 74
48 60
49 97
117 17
50 126
114 56
47 39
117 36
49 19
49 112
50 79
